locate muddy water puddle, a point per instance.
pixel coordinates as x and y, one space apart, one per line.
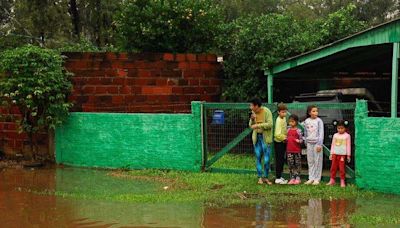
27 200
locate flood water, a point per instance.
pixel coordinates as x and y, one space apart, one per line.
25 202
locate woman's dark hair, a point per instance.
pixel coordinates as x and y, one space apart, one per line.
309 108
343 123
256 101
294 117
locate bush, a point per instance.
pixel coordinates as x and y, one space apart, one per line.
34 80
167 25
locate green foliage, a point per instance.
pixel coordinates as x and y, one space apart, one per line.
234 9
373 12
168 25
12 41
84 45
95 21
34 80
81 46
256 43
341 24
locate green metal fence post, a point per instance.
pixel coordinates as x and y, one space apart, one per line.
395 78
270 82
205 136
197 109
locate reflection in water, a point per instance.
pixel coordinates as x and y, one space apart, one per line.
22 206
263 214
312 213
339 211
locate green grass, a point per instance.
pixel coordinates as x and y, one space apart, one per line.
239 161
219 189
215 189
224 189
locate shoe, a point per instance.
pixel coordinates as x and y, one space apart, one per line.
297 181
281 181
260 181
292 181
342 183
267 181
315 183
331 182
309 182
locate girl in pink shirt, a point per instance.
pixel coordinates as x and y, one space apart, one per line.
340 152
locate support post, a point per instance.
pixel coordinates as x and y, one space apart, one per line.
270 86
395 79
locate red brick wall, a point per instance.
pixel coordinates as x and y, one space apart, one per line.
146 82
13 143
127 82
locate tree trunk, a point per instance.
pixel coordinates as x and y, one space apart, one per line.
73 10
52 147
98 26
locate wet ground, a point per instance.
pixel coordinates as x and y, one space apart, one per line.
27 200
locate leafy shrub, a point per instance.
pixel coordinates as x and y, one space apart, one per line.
34 80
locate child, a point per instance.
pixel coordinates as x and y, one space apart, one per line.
314 137
261 123
340 149
280 143
294 139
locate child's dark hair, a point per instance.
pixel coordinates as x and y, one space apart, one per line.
294 117
309 108
281 107
256 101
342 123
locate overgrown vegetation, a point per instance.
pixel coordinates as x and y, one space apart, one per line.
252 35
34 80
168 25
254 44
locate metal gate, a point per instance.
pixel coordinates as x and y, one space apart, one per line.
225 129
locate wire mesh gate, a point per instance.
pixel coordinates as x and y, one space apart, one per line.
225 129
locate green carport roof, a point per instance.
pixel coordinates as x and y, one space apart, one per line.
371 42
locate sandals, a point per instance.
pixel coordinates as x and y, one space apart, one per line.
264 181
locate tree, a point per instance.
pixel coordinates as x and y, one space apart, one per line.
341 24
168 25
97 20
42 20
234 9
373 12
255 44
34 80
73 11
5 11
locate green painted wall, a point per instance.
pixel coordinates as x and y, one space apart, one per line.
134 141
377 151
